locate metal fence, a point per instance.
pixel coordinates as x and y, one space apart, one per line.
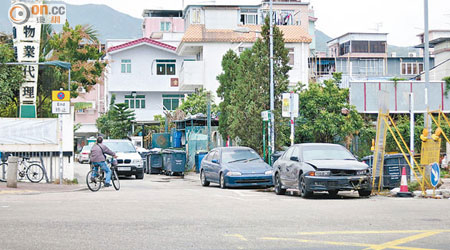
48 160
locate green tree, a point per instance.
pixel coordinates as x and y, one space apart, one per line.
245 88
117 122
10 79
325 114
197 103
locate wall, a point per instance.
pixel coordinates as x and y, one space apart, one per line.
442 53
89 116
228 19
153 24
153 104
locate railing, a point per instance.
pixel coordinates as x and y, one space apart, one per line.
48 160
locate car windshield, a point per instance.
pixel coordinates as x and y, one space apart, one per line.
326 153
236 155
122 147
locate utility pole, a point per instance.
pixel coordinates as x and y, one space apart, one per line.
272 102
427 69
208 99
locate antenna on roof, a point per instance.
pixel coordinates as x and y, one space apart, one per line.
378 26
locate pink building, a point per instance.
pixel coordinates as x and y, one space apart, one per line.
89 105
164 25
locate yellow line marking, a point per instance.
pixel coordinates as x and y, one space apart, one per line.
239 236
372 232
393 243
342 243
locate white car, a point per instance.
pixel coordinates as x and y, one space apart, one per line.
83 156
129 161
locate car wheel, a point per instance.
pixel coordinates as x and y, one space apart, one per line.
203 180
303 188
278 186
333 192
140 176
364 192
222 183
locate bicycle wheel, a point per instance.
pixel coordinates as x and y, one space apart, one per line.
115 179
35 173
93 181
3 171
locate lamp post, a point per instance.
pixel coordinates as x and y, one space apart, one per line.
427 68
272 102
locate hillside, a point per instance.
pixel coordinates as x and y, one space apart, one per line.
109 23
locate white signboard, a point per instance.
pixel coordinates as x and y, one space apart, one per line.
265 115
28 131
27 32
28 92
290 105
61 107
27 51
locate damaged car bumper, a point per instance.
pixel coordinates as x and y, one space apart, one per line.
315 183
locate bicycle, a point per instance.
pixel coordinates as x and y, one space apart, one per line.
32 169
95 179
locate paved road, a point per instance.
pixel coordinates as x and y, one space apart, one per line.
171 213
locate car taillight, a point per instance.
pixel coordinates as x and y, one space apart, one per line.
84 153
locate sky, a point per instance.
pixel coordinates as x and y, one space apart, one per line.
402 19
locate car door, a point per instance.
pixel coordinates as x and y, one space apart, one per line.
206 165
215 166
283 166
294 167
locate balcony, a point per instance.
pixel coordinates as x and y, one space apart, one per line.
192 75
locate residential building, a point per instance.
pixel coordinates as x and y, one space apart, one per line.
440 49
164 25
364 56
144 74
208 38
89 105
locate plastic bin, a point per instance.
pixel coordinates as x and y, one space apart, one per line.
156 162
174 162
198 160
276 155
176 139
392 169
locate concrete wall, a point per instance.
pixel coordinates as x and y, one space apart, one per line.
153 24
221 19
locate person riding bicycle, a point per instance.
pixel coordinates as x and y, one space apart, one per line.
98 158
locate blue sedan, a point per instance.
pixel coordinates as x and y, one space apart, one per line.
235 167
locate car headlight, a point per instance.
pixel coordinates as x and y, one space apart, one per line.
269 172
361 172
322 173
137 161
234 174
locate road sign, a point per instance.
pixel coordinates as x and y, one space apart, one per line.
265 115
430 152
60 107
290 105
435 174
60 96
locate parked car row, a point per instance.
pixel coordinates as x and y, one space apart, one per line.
308 168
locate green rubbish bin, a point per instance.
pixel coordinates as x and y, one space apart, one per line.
174 162
156 162
276 155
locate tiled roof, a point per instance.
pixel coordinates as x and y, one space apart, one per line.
139 41
198 33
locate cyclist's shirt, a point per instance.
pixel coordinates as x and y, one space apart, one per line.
98 152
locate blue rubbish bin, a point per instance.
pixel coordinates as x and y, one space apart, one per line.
156 162
176 139
174 162
198 160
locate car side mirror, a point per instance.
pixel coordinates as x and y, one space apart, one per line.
294 158
215 161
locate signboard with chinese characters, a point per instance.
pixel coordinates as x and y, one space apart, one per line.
27 32
27 51
61 107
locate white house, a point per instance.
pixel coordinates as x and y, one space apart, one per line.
213 30
144 73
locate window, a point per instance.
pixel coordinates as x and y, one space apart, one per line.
291 56
166 67
137 102
360 46
288 154
344 48
126 66
172 102
195 18
413 68
249 16
377 47
165 26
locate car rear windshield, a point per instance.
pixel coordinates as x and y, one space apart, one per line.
122 147
239 155
326 153
86 148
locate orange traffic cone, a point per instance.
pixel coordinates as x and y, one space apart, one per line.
404 186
